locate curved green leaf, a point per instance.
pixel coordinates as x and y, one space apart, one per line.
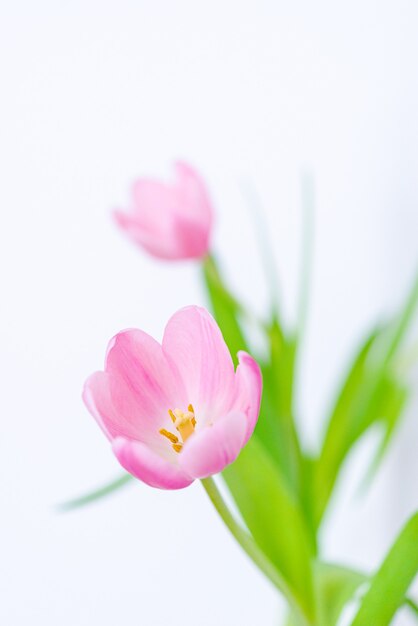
389 585
274 519
276 425
343 428
361 401
96 495
335 586
225 308
393 400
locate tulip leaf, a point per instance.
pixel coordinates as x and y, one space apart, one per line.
96 495
340 433
225 308
335 586
389 585
394 398
412 605
274 519
276 426
360 403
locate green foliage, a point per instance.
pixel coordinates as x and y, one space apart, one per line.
371 394
344 427
276 425
97 494
335 586
274 519
282 492
393 400
412 605
225 308
390 584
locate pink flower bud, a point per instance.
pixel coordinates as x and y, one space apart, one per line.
171 221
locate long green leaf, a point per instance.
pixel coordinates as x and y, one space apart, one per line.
96 495
341 430
413 606
389 585
360 402
273 518
276 427
403 323
393 400
335 586
225 308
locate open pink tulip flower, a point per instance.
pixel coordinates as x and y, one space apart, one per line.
170 221
178 411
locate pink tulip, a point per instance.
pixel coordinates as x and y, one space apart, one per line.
177 411
171 221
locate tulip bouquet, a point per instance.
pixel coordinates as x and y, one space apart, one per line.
206 402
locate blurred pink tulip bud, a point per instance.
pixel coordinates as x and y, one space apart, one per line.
170 221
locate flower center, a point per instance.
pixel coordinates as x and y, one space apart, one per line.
184 423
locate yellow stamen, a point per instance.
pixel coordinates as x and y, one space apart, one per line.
184 423
170 436
191 410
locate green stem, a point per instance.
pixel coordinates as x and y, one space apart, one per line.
249 546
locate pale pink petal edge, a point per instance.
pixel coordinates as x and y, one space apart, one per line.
249 386
160 245
140 461
210 450
95 392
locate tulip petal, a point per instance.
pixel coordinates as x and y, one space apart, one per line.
153 200
151 220
193 341
157 237
146 465
193 196
249 383
144 383
97 398
214 447
191 237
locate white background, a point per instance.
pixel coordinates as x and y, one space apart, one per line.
94 94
